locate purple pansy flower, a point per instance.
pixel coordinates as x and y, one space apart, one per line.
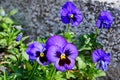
19 37
56 40
37 51
101 59
70 14
105 20
61 53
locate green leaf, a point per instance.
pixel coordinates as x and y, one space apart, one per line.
24 38
5 75
99 45
4 25
16 75
0 18
25 55
12 57
85 48
29 66
1 77
69 75
12 12
16 32
42 40
99 73
87 41
2 12
3 42
14 50
69 36
3 34
8 20
80 62
59 76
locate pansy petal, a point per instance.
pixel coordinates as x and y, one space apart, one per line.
44 64
77 20
76 11
56 40
69 6
97 65
58 67
71 51
52 53
98 23
74 23
107 57
32 57
103 66
65 19
64 12
71 65
39 46
36 45
97 54
106 25
32 51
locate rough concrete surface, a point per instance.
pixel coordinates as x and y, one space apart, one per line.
41 17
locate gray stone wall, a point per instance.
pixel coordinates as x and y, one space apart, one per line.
41 18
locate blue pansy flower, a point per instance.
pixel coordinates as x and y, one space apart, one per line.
105 20
37 51
61 53
70 14
19 37
101 59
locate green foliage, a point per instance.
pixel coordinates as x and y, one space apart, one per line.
14 51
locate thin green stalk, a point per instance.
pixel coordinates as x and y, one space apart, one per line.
53 74
34 69
5 76
96 33
68 28
19 58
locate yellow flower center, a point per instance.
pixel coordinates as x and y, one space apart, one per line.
42 55
62 56
71 16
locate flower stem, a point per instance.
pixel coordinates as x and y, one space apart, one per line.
68 28
96 33
5 76
34 69
53 74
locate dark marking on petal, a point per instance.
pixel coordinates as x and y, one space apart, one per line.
62 62
101 24
43 59
45 52
67 52
37 53
58 54
74 19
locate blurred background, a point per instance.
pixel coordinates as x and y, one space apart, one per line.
41 18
